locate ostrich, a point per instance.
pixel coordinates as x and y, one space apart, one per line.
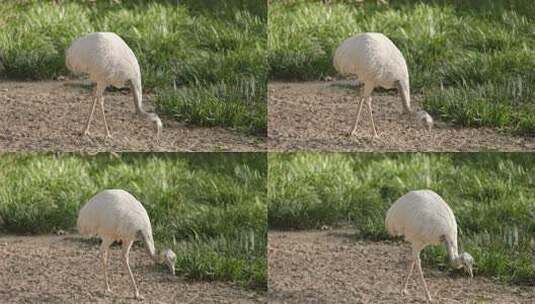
424 218
376 61
108 61
115 215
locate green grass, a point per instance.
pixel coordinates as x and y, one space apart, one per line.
483 52
194 46
491 195
209 208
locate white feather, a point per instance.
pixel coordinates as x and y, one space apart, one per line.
373 58
422 217
105 57
108 60
115 215
376 62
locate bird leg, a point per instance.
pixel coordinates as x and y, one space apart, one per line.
354 130
86 130
104 259
411 268
369 102
126 252
101 98
423 279
104 115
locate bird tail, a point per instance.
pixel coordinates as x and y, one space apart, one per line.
149 244
138 102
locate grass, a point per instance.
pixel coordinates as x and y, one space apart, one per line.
483 52
195 46
491 195
209 208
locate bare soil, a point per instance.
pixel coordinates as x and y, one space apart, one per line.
50 115
65 269
333 267
317 116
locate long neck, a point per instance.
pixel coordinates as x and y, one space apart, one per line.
453 253
138 102
149 246
405 95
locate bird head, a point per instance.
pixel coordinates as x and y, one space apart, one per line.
467 262
169 258
425 119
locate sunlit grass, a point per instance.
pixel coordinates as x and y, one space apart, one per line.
210 208
184 46
478 50
491 195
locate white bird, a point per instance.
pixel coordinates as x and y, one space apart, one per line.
376 61
108 60
423 218
116 215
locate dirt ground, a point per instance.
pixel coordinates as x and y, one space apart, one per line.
50 115
317 116
331 267
63 269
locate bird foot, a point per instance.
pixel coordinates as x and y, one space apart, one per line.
139 297
351 133
86 133
404 292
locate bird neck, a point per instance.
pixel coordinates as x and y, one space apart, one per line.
404 90
149 246
453 253
138 102
138 98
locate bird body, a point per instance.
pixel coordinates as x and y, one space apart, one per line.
103 56
116 215
377 62
108 60
374 58
424 218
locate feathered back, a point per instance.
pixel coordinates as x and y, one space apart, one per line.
373 58
105 57
115 214
422 217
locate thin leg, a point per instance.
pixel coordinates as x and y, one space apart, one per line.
423 280
411 268
104 246
369 101
86 130
354 130
366 91
126 252
101 98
